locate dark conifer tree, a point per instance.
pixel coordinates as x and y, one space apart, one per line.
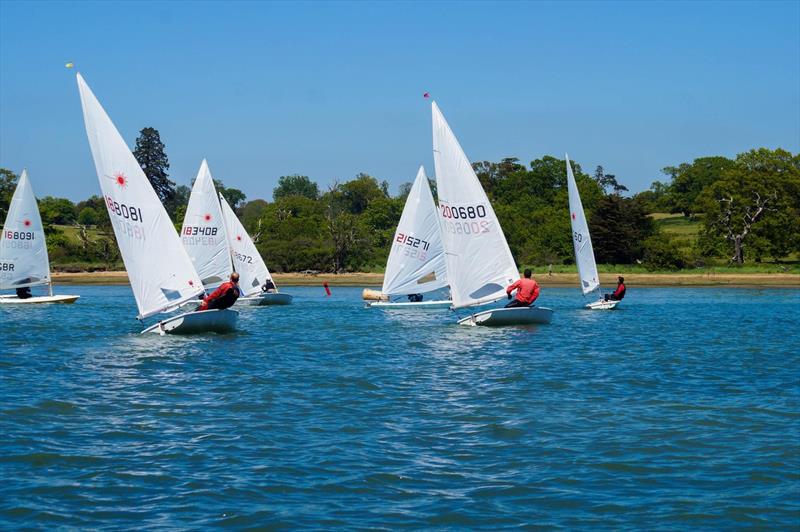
152 158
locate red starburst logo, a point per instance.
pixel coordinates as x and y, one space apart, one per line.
239 238
191 283
207 217
26 223
119 179
573 215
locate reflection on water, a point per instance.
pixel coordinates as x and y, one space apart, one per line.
679 409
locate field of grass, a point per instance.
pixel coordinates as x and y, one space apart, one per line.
683 230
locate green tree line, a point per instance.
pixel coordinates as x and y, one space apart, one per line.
748 207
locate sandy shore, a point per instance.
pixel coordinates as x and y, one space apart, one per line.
557 279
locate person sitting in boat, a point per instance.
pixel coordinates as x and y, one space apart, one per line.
24 293
224 296
415 298
619 293
269 286
527 291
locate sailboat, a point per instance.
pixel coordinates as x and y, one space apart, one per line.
203 232
161 273
23 249
479 262
582 243
416 260
253 273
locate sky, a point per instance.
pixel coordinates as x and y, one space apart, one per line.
332 89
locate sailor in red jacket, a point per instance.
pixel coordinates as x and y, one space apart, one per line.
224 296
527 291
619 293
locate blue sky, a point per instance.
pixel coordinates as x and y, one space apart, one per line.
333 89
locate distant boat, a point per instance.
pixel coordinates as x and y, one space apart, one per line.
479 262
416 260
203 232
253 272
582 243
23 249
161 273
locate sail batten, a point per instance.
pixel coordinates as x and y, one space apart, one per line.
203 232
417 250
581 240
23 248
160 271
477 255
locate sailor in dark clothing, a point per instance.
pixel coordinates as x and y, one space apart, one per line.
415 298
269 286
224 296
619 293
24 293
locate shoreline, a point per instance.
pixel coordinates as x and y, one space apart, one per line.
566 280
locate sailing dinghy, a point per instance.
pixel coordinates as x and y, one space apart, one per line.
416 260
161 273
479 262
23 249
253 273
582 242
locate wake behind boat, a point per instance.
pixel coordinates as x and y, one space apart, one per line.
24 262
582 243
416 263
479 262
161 273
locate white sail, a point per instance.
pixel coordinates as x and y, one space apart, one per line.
23 249
203 232
479 263
581 241
253 273
160 271
416 260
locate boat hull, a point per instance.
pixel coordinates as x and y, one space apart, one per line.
409 305
272 298
602 304
500 317
204 321
59 299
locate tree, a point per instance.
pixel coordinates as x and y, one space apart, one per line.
619 226
8 184
358 193
233 196
295 185
87 216
689 180
60 211
757 197
608 182
152 158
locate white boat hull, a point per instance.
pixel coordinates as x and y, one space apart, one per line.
500 317
14 300
218 321
271 298
409 305
602 304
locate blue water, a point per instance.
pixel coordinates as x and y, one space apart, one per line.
680 410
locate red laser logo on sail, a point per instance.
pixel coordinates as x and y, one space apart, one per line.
207 217
26 223
573 215
239 238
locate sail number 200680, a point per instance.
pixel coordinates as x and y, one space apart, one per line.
465 219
